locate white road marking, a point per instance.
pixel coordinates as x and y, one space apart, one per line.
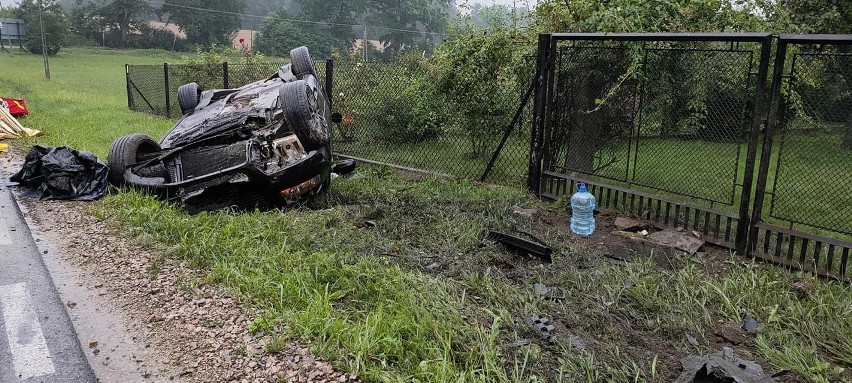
30 356
5 238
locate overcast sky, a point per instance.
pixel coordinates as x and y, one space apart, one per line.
518 3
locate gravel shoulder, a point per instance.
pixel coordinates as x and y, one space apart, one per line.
139 322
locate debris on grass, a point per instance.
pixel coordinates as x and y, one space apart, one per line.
544 292
677 240
526 247
543 325
627 224
731 335
528 213
721 367
62 174
749 323
691 339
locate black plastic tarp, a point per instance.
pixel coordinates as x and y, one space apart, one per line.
62 173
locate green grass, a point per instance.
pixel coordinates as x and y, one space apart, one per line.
361 295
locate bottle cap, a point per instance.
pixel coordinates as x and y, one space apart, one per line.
581 187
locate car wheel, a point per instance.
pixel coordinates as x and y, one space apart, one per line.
127 151
302 113
301 62
188 97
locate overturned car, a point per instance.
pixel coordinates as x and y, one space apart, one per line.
261 145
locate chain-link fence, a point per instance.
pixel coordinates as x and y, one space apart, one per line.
813 166
391 114
668 116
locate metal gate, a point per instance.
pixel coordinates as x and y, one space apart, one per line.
802 213
668 127
664 126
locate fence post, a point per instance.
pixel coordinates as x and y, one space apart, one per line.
168 98
541 84
127 84
329 81
775 115
744 223
225 80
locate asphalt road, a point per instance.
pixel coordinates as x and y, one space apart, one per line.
37 340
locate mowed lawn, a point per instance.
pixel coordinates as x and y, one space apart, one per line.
412 296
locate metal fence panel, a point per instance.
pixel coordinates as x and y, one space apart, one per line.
813 182
673 117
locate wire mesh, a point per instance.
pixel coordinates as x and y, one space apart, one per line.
390 115
146 92
813 169
670 116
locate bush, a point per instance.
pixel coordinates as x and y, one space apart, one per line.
410 116
475 73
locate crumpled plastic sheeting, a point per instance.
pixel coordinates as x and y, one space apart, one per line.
62 174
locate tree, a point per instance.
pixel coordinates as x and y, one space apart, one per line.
124 15
55 26
336 18
279 33
206 22
395 22
397 25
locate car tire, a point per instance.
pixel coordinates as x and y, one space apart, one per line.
301 63
188 97
126 151
301 112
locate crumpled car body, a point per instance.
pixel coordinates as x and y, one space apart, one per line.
261 145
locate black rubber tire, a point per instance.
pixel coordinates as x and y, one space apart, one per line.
344 167
300 111
188 97
126 151
302 63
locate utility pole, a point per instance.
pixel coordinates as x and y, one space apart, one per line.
43 41
365 43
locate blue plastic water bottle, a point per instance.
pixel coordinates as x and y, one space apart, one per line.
582 212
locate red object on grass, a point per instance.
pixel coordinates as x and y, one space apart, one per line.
17 106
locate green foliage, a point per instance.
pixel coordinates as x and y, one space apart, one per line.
206 28
410 116
819 16
104 24
55 25
279 33
474 71
205 67
641 16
